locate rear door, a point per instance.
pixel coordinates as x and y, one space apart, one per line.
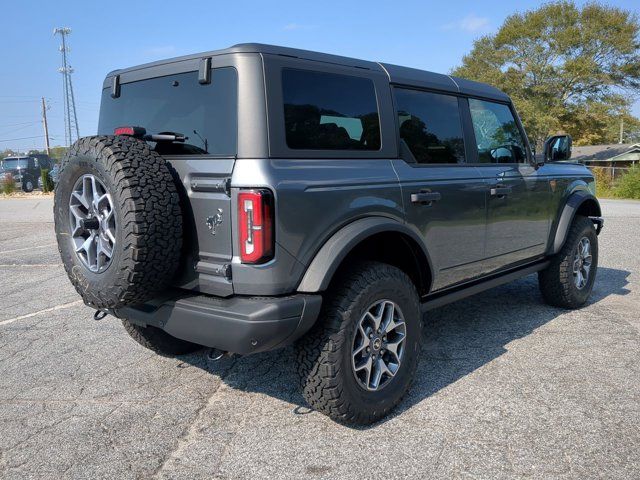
444 197
207 114
517 195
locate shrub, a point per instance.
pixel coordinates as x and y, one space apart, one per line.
628 186
47 183
604 183
8 184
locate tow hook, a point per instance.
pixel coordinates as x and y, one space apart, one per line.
100 314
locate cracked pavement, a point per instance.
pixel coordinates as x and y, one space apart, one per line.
507 386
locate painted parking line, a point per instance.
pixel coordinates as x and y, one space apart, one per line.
46 310
28 248
30 265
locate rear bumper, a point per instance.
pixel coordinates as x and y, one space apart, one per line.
237 324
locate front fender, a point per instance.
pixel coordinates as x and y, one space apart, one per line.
571 207
334 251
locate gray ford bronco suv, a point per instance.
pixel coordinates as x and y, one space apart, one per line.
249 198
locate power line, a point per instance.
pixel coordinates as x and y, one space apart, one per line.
19 128
17 124
21 138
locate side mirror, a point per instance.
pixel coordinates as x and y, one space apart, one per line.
557 148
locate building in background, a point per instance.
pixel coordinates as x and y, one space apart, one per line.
615 159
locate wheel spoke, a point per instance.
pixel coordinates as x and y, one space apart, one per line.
377 376
394 347
99 254
81 199
387 315
106 248
576 266
384 367
84 247
109 234
377 318
108 214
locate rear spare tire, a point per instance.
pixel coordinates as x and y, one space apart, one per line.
118 221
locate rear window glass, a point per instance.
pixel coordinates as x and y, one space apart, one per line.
206 114
327 111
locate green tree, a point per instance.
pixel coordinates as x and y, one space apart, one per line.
7 153
567 69
58 152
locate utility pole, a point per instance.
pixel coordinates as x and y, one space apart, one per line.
46 127
70 117
621 129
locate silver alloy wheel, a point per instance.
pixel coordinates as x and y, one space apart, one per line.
582 263
92 223
378 345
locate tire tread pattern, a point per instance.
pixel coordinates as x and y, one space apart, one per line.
319 352
556 281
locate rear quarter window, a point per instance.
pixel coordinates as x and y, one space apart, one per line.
327 111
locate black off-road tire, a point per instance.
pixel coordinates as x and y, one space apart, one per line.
148 220
556 281
324 354
158 340
28 184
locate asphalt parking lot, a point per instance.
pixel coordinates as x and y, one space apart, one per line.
507 386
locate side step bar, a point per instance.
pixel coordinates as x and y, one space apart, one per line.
439 299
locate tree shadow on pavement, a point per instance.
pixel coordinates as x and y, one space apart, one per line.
457 339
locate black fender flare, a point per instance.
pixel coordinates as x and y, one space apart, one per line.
572 205
333 252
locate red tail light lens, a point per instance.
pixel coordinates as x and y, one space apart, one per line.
130 131
255 219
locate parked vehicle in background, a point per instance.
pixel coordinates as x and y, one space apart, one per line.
26 169
53 175
252 197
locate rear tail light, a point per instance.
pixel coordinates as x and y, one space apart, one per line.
255 223
138 132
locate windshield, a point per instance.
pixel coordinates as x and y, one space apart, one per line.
14 163
205 114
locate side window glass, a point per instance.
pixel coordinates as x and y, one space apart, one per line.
498 137
327 111
430 126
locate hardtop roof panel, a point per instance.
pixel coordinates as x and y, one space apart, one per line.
397 74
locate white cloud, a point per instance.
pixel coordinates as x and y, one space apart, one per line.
471 24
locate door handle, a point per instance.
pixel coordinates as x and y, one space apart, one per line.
425 198
500 191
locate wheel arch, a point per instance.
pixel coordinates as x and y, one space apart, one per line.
578 203
371 238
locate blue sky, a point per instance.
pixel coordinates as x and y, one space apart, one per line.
110 35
